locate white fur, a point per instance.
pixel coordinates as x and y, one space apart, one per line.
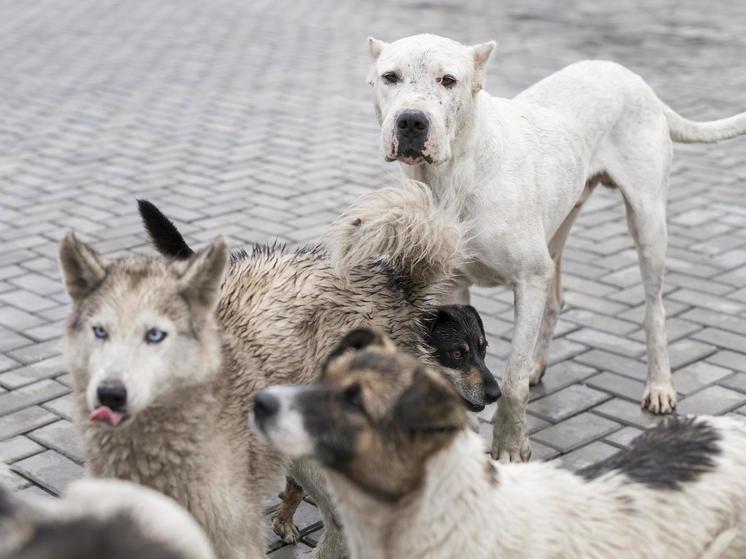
521 168
539 510
286 429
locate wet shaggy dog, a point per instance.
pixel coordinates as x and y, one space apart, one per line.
521 169
412 480
98 518
165 353
457 339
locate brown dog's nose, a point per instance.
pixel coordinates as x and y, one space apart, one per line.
265 406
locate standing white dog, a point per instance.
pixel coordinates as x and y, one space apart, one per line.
520 169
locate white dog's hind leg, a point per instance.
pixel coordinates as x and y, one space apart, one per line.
510 434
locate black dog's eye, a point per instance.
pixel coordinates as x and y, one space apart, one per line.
456 354
100 333
448 81
390 78
352 396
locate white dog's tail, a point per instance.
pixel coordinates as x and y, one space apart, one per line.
404 226
689 131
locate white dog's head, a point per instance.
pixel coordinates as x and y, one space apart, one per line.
141 329
424 91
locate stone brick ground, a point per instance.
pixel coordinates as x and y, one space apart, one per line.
253 120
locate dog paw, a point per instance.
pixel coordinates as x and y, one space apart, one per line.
659 398
285 529
537 373
510 441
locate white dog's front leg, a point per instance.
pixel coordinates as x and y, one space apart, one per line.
510 434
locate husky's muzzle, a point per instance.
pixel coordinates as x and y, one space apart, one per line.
111 404
412 129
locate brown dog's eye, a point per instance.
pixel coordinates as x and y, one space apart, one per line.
352 396
448 81
390 78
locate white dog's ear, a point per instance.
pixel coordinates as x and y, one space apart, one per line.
200 282
375 47
82 267
482 53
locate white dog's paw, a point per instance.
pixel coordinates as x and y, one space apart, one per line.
537 373
285 528
659 397
510 441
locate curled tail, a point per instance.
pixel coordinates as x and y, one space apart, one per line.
689 131
163 233
404 226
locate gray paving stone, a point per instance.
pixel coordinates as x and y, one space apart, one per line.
605 361
735 382
617 385
23 421
576 431
18 448
624 436
722 339
698 375
30 395
558 376
587 455
628 413
729 359
567 402
49 469
714 400
62 437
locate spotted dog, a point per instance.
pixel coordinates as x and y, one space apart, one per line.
412 480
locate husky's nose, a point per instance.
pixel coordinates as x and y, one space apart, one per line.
265 405
113 395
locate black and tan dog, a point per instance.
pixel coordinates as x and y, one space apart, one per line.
411 479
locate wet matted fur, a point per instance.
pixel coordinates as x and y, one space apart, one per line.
278 313
98 518
412 480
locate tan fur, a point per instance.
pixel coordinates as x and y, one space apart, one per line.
278 316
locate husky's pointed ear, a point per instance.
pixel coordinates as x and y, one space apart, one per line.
429 404
200 281
481 53
82 267
358 340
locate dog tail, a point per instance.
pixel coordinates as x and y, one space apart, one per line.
688 131
163 233
405 227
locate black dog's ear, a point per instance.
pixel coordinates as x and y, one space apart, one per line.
472 311
429 404
357 340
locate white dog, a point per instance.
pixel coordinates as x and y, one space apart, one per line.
411 479
520 169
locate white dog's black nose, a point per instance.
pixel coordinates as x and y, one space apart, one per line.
113 395
265 406
412 127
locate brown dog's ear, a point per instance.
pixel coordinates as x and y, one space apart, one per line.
82 267
357 340
429 404
200 281
482 53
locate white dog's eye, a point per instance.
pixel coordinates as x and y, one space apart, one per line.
448 81
155 336
99 332
390 77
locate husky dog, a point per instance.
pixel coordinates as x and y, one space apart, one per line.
457 339
98 518
165 353
412 480
520 169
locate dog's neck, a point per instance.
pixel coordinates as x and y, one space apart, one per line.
458 482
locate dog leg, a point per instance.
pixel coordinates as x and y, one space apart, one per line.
510 435
282 519
555 300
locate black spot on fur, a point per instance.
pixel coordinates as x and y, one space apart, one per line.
163 233
396 279
355 340
86 538
673 453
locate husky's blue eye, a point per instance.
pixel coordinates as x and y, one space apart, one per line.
100 333
155 336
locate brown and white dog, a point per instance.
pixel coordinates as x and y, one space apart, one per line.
412 480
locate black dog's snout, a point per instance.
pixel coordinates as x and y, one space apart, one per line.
412 127
413 122
492 392
265 405
113 395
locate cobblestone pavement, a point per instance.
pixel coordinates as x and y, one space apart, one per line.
253 120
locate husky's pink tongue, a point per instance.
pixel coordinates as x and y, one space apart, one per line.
106 415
